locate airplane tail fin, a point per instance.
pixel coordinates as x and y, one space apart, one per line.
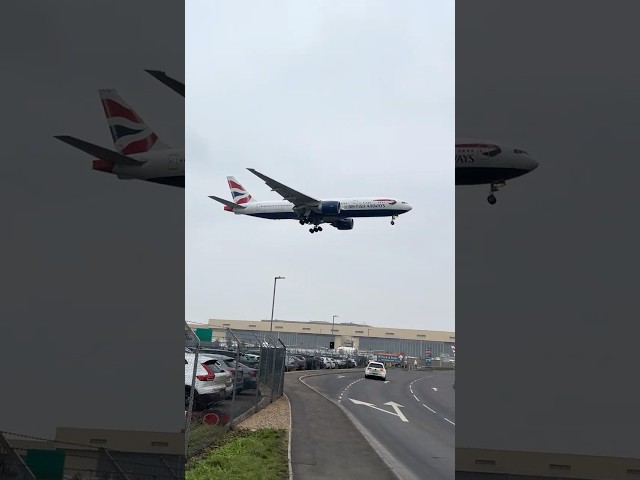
238 192
129 131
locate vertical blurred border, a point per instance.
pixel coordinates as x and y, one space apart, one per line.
93 240
546 276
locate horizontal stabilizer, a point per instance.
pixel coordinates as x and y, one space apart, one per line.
98 151
227 202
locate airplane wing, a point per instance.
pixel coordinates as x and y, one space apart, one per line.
175 85
98 151
299 200
227 202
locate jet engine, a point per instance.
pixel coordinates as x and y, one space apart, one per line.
344 224
330 208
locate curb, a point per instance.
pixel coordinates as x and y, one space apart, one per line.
248 413
289 446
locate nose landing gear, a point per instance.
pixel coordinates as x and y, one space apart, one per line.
494 188
393 218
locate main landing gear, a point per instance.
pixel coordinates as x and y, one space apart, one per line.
314 229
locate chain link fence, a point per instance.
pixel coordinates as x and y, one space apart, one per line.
228 378
37 459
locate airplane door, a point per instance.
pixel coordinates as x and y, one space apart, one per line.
173 161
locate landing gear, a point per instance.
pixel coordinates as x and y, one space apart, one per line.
393 219
494 188
315 229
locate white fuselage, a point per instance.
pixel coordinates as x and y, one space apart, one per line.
483 162
162 166
349 208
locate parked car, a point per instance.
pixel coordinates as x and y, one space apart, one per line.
249 375
236 373
375 369
301 362
211 383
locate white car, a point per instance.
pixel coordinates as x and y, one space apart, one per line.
211 384
375 369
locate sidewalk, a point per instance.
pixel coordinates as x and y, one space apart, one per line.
324 442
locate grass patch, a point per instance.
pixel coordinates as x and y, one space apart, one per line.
244 455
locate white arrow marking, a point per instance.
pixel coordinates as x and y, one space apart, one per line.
396 407
393 405
386 381
434 388
340 376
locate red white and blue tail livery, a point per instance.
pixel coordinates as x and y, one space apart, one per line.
129 132
339 213
139 153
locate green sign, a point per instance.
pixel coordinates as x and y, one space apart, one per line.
46 464
204 334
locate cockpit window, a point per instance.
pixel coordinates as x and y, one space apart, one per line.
517 150
493 153
404 203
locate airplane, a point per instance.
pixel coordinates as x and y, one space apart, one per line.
307 210
175 85
480 162
139 153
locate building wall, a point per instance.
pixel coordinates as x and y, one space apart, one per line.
318 335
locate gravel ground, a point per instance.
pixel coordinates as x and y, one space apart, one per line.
275 415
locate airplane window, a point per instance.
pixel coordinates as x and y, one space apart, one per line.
492 153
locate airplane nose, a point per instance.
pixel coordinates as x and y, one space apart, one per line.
532 163
409 207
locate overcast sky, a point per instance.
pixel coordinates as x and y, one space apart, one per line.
546 279
334 99
92 266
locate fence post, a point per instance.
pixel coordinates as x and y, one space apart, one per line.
191 390
235 380
273 368
258 372
11 453
284 357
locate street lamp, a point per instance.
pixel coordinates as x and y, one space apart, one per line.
273 302
333 331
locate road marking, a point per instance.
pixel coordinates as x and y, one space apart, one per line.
450 421
347 387
341 376
431 409
411 389
434 388
416 398
395 406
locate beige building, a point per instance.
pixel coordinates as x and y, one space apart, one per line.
88 453
298 334
474 463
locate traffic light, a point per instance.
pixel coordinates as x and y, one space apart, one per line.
331 344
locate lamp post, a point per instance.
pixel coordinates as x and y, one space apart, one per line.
273 302
333 331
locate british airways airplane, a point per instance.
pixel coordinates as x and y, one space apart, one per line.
338 213
139 153
480 162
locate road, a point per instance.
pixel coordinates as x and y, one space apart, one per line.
409 419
